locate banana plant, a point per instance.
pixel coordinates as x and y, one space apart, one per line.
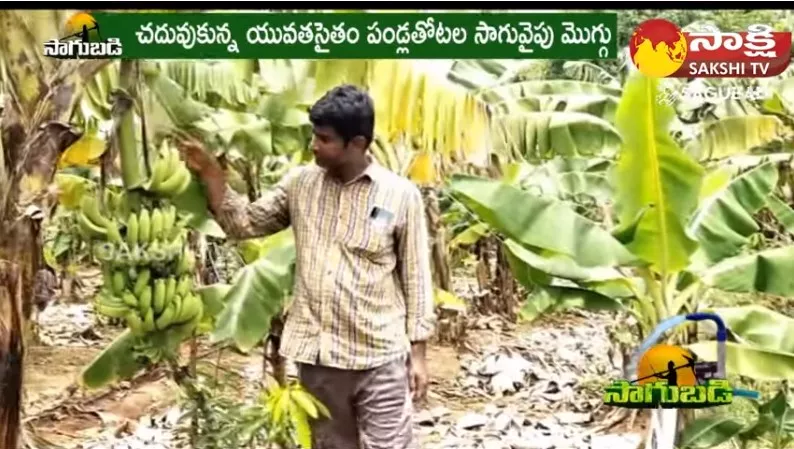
674 239
537 120
38 95
772 426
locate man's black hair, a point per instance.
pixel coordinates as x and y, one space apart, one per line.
348 110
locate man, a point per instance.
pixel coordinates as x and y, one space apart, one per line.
363 296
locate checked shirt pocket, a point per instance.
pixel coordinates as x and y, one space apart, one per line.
373 236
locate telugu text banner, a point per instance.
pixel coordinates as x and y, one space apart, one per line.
567 35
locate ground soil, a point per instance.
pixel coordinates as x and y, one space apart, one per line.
59 414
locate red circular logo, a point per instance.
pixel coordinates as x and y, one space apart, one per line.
658 48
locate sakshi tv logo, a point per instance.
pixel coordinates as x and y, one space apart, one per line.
670 376
660 49
81 38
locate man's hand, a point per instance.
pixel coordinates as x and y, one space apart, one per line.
417 371
206 167
197 158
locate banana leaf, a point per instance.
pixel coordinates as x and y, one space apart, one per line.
544 135
601 106
724 221
653 172
737 135
525 89
549 299
539 222
710 431
257 294
767 271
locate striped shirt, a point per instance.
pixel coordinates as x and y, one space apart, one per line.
363 286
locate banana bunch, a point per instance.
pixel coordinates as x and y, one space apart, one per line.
150 226
150 237
150 304
94 224
170 176
116 203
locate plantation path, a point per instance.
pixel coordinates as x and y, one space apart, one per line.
550 375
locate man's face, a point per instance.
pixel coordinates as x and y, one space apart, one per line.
330 150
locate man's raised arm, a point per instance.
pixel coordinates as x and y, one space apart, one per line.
239 218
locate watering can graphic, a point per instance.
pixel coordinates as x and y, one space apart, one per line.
664 422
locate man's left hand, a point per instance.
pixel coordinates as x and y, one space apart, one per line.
417 372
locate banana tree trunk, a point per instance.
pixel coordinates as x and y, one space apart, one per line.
271 350
438 239
39 97
12 353
506 286
27 205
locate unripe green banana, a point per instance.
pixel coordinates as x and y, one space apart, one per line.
157 224
185 183
169 220
110 200
144 226
191 263
187 263
179 229
172 162
89 228
148 321
135 323
164 320
159 172
111 307
177 308
177 183
90 208
170 292
132 230
119 283
191 305
107 297
130 299
114 235
187 329
158 301
181 267
144 276
185 285
145 300
112 311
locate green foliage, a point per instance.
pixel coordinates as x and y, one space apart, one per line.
670 215
773 424
653 172
257 293
539 222
280 415
604 203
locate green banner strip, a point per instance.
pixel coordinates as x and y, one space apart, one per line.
567 36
